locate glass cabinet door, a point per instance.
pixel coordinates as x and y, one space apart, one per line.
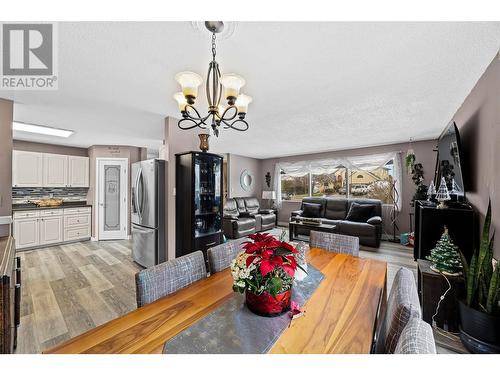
207 195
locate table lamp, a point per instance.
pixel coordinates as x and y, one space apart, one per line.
270 195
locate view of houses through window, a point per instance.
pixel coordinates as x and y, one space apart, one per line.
375 182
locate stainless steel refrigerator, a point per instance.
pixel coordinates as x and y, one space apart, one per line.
148 212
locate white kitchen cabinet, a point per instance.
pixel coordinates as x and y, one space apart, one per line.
27 169
36 169
26 232
76 220
76 233
51 230
78 171
38 228
55 170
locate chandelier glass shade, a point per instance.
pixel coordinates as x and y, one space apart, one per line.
218 87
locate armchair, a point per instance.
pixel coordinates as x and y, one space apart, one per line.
236 224
243 216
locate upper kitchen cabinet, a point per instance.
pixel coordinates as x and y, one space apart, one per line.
78 171
36 169
27 169
55 170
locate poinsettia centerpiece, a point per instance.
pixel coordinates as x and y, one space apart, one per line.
265 271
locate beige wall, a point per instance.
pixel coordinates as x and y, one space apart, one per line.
49 148
131 153
6 110
424 154
478 120
236 165
177 141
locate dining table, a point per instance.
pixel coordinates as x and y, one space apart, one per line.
343 315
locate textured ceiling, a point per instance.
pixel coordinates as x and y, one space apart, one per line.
316 86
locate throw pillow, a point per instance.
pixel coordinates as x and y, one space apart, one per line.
360 212
311 210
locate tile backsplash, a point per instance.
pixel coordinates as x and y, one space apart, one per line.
21 195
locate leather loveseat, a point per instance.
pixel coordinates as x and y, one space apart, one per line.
335 211
243 216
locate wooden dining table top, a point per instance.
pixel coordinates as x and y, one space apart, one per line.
340 317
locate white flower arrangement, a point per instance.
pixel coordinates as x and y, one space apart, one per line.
240 271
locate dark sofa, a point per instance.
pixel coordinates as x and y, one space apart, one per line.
335 210
243 216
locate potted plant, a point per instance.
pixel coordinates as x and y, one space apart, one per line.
265 272
417 172
480 312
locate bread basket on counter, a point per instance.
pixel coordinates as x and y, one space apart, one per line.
47 202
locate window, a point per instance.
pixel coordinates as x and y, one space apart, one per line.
329 184
369 181
294 188
374 183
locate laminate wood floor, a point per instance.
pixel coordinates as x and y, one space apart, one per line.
72 288
69 289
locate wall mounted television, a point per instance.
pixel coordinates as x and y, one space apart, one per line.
450 161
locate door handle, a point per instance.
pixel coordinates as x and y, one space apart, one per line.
139 174
135 192
141 203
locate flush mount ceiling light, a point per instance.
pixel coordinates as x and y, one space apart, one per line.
229 85
38 129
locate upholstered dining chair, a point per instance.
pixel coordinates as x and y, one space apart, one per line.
403 305
220 256
416 338
338 243
168 277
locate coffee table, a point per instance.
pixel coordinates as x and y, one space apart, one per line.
294 225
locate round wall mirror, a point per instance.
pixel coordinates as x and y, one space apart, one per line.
246 180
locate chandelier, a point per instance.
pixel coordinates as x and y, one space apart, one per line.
231 116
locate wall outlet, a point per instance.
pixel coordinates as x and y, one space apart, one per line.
173 192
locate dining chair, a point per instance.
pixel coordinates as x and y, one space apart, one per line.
416 338
220 256
168 277
339 243
402 306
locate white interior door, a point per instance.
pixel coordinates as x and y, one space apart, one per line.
112 184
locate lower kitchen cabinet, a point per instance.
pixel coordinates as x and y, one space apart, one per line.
51 230
38 228
77 233
26 232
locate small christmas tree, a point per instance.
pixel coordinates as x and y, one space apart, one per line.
431 191
442 194
445 257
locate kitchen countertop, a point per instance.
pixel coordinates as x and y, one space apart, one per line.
30 206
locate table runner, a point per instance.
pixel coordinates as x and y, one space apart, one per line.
233 329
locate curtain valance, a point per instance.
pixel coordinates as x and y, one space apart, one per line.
326 166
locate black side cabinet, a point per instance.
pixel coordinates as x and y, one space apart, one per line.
199 189
430 222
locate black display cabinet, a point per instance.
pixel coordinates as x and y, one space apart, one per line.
199 189
430 222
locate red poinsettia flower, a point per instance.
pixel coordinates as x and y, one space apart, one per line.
251 247
268 265
289 247
267 252
259 237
